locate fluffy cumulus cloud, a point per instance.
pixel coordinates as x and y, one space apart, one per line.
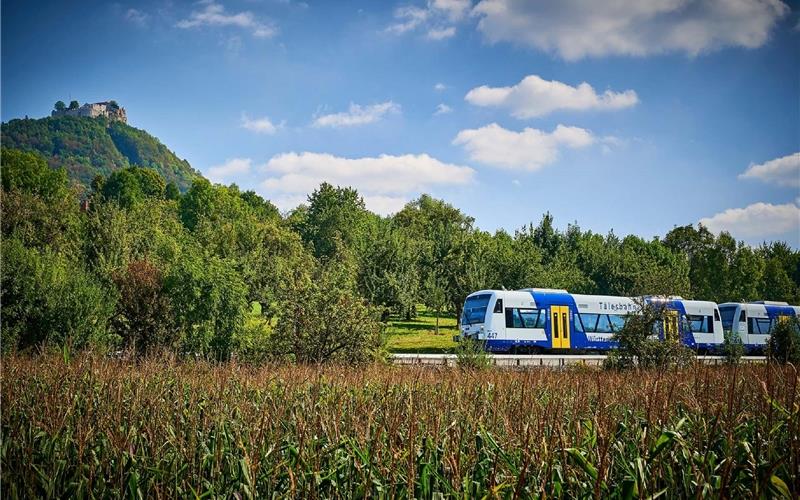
357 115
437 19
258 125
530 149
759 220
585 28
230 169
783 171
535 96
386 182
214 14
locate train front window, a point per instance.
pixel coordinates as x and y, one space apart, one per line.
475 309
727 314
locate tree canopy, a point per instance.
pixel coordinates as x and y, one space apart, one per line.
219 272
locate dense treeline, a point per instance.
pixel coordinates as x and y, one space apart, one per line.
216 270
87 147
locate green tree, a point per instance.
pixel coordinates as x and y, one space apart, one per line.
325 320
335 216
50 299
29 172
171 192
60 106
143 317
209 301
74 105
124 187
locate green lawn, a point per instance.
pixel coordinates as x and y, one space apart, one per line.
419 334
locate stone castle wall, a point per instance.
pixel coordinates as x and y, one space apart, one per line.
94 110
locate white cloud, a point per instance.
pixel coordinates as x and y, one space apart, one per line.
579 28
258 125
409 18
441 33
232 167
455 10
535 96
137 17
783 171
357 115
214 14
385 205
385 181
530 149
438 17
439 86
759 220
442 109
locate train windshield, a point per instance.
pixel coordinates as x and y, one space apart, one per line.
475 309
727 313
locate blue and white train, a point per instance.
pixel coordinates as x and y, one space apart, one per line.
534 320
753 321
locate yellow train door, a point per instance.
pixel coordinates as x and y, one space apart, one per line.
559 327
671 325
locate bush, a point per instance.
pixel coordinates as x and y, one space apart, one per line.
325 320
639 345
144 316
49 299
784 341
732 348
471 355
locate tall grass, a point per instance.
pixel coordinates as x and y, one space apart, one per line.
159 428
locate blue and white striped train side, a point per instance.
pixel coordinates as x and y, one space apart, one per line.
535 319
753 321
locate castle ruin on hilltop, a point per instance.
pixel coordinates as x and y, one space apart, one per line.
107 109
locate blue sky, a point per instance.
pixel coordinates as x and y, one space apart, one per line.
632 116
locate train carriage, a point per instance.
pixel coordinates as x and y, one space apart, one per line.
752 322
536 319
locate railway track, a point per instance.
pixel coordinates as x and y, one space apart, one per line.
544 360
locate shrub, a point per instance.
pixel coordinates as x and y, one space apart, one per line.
325 319
144 316
732 348
471 355
48 298
784 341
639 344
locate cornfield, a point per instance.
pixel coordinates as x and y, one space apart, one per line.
158 428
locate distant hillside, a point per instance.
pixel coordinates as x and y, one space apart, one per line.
86 147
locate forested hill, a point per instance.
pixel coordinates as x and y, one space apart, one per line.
86 147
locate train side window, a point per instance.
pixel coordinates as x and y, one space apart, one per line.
742 316
764 325
578 324
589 322
617 321
510 317
716 315
604 325
498 306
752 327
529 317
